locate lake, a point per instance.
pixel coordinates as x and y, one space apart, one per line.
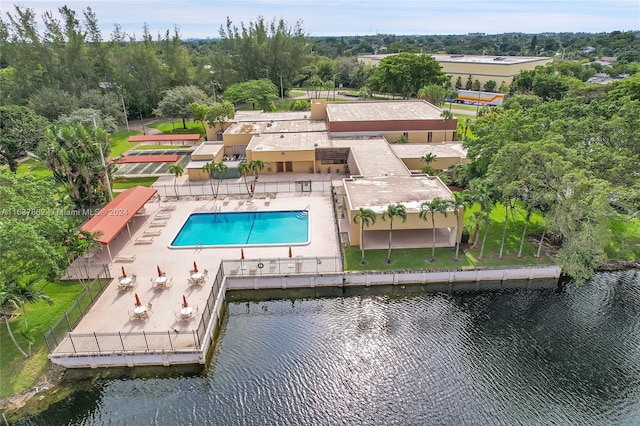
513 358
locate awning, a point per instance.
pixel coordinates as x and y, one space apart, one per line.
113 217
167 138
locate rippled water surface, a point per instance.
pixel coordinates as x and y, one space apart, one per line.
528 357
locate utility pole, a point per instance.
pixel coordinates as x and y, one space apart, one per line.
106 172
281 89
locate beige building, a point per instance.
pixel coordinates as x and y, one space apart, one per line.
355 139
480 67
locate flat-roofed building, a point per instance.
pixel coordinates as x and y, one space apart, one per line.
446 154
206 152
480 67
417 120
355 137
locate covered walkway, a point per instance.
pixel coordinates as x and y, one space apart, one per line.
190 138
117 214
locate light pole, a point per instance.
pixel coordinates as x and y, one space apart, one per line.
124 108
281 89
99 145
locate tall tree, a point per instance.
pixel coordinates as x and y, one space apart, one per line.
177 102
177 170
405 74
393 212
366 217
261 92
20 131
72 153
457 201
428 210
433 93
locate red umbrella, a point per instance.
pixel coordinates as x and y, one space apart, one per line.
242 254
195 267
290 253
124 274
159 272
138 303
184 302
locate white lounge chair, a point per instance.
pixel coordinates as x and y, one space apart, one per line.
168 207
163 216
125 258
225 201
267 201
158 223
144 240
152 232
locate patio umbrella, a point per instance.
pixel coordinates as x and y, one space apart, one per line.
159 272
124 274
195 267
138 303
184 302
290 253
242 254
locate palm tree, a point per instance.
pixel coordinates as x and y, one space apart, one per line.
177 170
253 166
221 169
508 204
243 170
428 158
210 169
429 209
457 201
78 243
367 218
394 211
446 117
13 295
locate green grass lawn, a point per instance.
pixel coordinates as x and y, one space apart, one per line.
157 147
417 258
625 244
31 166
122 183
17 373
120 142
175 127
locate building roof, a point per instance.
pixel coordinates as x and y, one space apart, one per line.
302 141
293 126
383 111
489 59
163 138
441 150
376 193
244 128
113 217
469 59
257 115
373 156
207 149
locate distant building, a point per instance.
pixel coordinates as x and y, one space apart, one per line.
480 67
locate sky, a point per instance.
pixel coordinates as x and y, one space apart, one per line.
202 18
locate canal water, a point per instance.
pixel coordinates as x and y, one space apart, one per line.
499 358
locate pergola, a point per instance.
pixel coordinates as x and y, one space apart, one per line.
117 214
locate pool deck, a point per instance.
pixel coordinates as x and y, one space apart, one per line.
111 312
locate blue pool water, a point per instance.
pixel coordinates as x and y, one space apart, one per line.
244 228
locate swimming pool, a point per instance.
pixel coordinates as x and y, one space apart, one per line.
244 228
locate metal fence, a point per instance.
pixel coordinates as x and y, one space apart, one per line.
61 341
296 265
78 309
239 188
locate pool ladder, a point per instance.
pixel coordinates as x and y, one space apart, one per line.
304 213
